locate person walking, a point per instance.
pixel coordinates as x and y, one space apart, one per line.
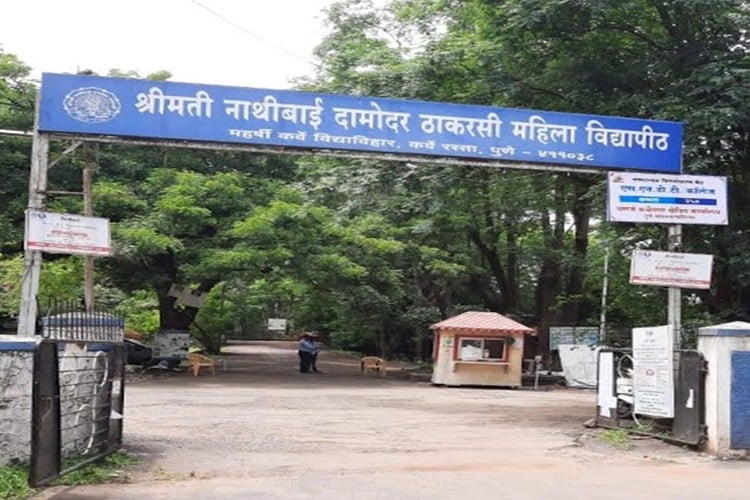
305 349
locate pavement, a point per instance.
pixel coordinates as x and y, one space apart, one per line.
260 429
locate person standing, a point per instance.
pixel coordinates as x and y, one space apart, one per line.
305 350
316 342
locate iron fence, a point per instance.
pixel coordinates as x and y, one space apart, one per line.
63 320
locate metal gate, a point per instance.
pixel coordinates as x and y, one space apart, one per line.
77 406
615 398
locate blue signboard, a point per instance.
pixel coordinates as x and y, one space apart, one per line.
77 104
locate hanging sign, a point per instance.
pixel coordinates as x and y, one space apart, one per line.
67 233
679 270
667 199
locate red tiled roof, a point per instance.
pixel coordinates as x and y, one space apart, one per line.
476 321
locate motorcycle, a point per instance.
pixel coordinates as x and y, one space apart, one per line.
624 387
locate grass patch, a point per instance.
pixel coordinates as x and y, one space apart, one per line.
14 478
14 482
645 428
107 470
616 437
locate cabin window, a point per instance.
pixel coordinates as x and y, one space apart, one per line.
481 349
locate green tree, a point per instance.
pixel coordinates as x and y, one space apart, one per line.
17 96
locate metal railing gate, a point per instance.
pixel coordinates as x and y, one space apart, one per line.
77 406
687 427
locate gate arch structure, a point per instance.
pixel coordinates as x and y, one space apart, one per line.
105 109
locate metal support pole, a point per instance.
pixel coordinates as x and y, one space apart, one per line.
674 294
33 259
603 316
88 210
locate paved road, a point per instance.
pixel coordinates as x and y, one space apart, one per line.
262 430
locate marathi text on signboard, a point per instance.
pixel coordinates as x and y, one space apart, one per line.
679 270
653 379
91 105
67 233
667 199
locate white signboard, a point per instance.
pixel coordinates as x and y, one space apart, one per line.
667 199
67 233
653 378
679 270
276 324
579 365
581 335
605 395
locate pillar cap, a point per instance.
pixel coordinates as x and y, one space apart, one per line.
732 329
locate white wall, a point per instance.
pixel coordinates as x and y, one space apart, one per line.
15 405
81 374
718 350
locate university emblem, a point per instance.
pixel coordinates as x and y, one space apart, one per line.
91 105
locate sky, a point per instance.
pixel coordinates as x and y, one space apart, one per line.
245 43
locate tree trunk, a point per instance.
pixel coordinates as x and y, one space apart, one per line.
490 255
171 318
550 272
511 294
571 311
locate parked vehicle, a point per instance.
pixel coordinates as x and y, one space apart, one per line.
624 386
137 353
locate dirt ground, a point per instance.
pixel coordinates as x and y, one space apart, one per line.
260 429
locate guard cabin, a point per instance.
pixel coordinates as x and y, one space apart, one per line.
480 349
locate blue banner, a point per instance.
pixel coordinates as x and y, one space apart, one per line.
92 105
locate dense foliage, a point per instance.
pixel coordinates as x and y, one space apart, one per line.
373 252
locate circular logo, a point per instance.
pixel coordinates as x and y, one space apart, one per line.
91 105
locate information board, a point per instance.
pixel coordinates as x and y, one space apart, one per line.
679 270
667 199
580 335
653 372
67 233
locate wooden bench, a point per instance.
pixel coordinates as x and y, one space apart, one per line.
370 364
197 361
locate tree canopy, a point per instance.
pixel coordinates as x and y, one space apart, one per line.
372 252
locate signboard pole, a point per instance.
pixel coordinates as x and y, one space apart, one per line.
674 294
33 258
603 316
88 210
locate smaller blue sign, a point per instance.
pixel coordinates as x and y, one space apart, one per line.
160 110
670 201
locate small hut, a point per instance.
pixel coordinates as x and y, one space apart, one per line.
478 348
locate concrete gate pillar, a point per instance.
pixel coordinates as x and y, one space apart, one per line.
726 348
